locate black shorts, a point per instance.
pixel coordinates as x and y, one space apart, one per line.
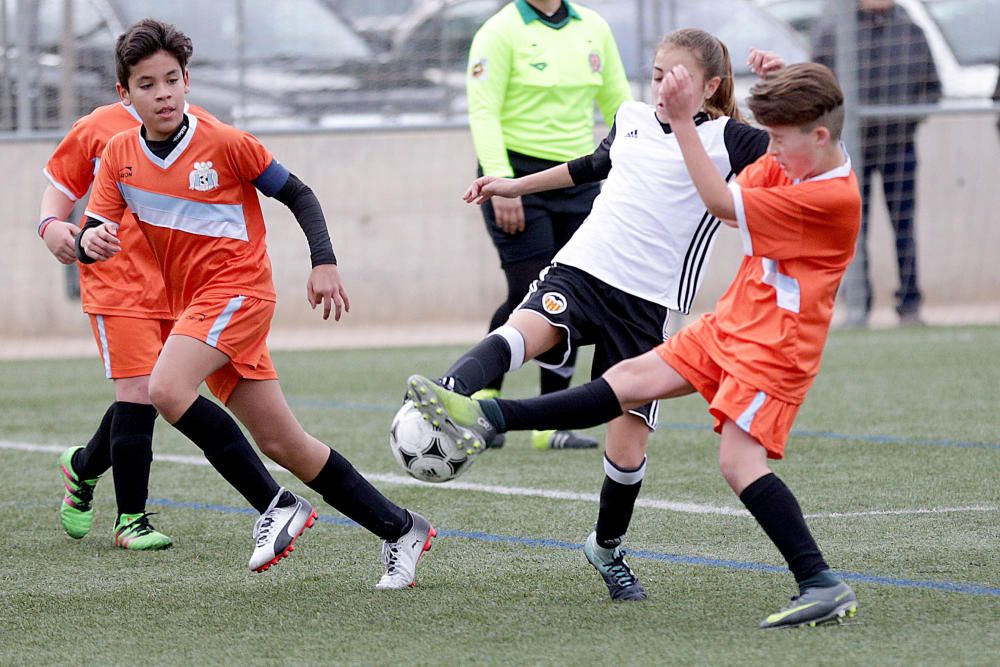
550 218
619 325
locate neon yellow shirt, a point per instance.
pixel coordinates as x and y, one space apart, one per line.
532 87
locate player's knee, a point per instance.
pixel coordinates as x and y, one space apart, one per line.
626 378
167 398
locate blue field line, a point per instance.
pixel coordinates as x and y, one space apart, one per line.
680 426
701 561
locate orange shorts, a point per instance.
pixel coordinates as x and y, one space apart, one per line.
236 326
129 346
766 418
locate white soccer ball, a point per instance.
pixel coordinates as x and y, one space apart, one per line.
423 450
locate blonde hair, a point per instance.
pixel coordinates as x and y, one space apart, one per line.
713 56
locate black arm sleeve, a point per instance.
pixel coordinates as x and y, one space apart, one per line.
81 254
596 166
744 144
302 202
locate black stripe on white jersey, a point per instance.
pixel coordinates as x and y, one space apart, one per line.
694 259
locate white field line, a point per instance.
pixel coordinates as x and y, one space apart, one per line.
671 506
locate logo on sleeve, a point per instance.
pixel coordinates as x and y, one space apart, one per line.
479 69
125 172
203 177
554 303
595 62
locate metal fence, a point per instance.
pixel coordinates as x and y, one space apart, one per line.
919 78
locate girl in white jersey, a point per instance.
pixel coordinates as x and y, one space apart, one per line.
640 254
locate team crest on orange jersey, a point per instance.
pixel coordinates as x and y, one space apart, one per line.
553 303
203 178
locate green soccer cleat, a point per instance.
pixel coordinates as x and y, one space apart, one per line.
134 532
815 606
76 510
618 576
485 395
561 440
460 417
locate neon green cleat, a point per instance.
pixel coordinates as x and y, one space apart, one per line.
815 606
460 417
486 394
76 511
561 440
134 532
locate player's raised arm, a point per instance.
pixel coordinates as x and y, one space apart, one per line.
681 102
763 63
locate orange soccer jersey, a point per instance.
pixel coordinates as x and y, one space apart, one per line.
197 207
770 326
130 284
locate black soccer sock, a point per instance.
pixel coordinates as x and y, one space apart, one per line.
475 369
498 320
618 496
132 454
587 405
227 449
352 495
779 514
95 459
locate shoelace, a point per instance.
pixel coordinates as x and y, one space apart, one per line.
390 554
263 529
621 572
84 494
138 526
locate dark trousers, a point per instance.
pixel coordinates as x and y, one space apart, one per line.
891 152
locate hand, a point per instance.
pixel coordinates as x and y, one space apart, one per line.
326 287
678 96
509 213
488 186
765 62
60 239
101 243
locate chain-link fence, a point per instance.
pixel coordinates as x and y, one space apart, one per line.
920 78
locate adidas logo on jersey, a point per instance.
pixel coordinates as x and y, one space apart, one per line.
632 134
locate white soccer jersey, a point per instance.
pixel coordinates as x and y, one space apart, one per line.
649 233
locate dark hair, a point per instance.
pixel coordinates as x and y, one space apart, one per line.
145 38
806 95
713 56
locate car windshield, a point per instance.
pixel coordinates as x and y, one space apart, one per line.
970 26
287 30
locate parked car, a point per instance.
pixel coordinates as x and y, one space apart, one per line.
962 35
286 65
430 48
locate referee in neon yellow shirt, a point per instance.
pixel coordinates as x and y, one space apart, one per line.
536 69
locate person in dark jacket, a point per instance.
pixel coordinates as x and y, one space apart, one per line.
895 67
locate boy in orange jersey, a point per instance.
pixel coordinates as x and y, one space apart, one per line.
130 319
798 211
190 185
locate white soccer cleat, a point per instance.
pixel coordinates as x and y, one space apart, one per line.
400 557
277 529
